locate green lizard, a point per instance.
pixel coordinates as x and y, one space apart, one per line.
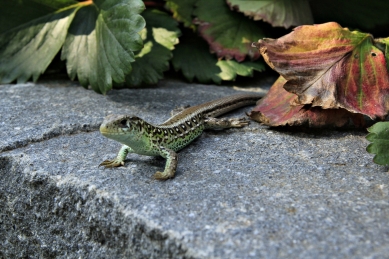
141 137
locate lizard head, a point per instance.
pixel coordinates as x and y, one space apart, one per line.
122 128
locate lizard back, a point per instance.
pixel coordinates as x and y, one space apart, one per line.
213 108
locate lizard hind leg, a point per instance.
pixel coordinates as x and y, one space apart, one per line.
171 164
225 123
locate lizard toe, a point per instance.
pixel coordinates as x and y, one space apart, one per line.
111 163
161 176
238 123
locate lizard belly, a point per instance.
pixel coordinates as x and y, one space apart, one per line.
142 149
147 152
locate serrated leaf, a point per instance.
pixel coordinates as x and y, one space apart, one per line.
331 67
27 50
229 34
192 57
101 42
160 36
284 13
102 36
182 10
379 136
275 109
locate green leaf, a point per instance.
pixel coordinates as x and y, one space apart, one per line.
27 50
192 57
182 10
379 136
14 13
284 13
228 33
160 36
230 68
384 48
98 40
101 42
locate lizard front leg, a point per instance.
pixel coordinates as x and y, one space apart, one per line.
224 123
171 164
119 160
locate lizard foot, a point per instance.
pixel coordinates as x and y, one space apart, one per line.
238 123
225 123
162 176
111 163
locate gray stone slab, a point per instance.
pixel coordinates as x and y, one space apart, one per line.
35 112
240 193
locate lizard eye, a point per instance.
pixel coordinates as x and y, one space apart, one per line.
123 123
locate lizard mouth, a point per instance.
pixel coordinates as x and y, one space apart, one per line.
107 132
103 132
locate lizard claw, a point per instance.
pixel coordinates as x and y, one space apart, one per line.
111 163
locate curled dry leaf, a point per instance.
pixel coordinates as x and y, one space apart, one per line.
331 67
275 109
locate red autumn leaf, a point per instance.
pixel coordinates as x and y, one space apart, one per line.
275 109
331 67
